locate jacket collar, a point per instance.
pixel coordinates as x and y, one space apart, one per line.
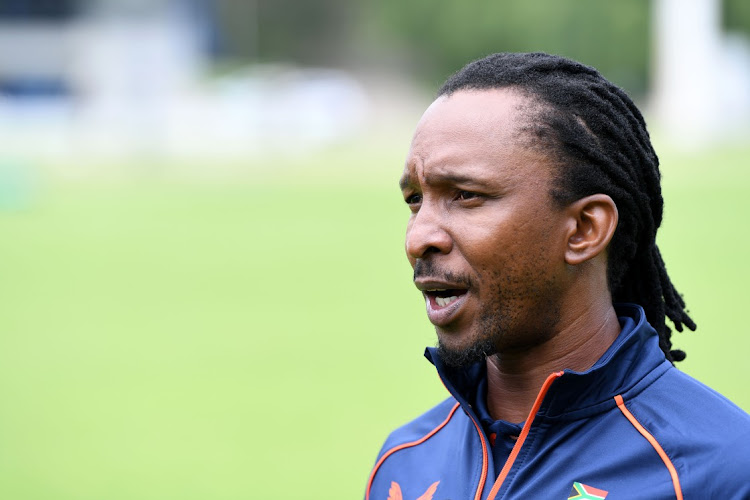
634 356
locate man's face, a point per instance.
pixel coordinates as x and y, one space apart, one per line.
484 238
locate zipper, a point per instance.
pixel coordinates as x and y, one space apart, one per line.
485 458
521 438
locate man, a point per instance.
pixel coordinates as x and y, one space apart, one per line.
535 200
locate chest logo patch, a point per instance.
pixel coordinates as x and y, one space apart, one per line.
395 492
581 491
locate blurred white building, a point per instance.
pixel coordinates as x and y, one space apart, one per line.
117 78
701 90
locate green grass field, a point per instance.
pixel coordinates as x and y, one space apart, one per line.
167 339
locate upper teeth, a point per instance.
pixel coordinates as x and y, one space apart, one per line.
444 301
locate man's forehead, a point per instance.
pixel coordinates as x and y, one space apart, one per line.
472 107
480 118
481 124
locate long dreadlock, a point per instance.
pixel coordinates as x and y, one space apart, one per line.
599 138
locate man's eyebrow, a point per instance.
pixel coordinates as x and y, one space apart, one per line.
452 178
442 178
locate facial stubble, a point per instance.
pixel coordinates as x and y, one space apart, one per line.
503 324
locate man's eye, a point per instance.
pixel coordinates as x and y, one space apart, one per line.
413 199
467 195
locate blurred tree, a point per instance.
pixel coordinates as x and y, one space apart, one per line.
307 31
737 15
444 34
434 38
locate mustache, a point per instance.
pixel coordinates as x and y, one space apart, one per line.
428 269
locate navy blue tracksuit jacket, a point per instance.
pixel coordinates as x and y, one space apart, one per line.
631 427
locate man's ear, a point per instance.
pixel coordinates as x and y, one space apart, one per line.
593 223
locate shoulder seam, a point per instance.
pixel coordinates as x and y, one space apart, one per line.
637 389
654 443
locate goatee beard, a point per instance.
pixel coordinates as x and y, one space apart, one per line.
464 358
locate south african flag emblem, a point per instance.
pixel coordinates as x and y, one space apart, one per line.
583 492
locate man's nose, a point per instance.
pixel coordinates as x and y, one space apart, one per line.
427 234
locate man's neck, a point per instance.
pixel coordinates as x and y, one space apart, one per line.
514 379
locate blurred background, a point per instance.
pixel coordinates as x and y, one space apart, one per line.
204 293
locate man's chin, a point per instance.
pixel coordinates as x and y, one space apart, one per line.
464 357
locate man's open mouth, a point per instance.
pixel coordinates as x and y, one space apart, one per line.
443 297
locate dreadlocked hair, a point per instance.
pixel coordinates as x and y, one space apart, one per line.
599 139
